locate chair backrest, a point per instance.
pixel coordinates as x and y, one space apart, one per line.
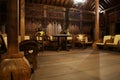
106 37
19 38
5 39
86 39
51 38
39 35
39 38
81 37
3 47
69 38
26 37
116 38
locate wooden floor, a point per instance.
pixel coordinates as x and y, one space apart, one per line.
78 64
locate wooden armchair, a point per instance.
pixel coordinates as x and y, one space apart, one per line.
69 39
29 47
115 43
87 42
52 42
105 38
81 39
43 41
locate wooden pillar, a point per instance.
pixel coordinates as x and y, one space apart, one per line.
13 65
44 20
81 21
96 34
106 22
22 19
96 29
12 27
66 19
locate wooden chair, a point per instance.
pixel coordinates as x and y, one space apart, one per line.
69 39
87 42
29 47
80 39
43 41
115 43
52 42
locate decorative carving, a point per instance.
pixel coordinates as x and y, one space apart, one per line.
14 69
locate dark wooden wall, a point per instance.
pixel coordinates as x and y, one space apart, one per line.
37 13
110 21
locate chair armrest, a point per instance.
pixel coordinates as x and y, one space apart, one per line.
28 45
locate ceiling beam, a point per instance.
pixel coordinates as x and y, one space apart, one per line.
112 7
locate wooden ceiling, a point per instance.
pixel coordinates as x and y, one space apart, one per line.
88 5
63 3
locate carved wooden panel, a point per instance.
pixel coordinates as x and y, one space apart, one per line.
74 15
33 11
55 15
88 17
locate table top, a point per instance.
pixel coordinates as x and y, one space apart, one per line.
61 35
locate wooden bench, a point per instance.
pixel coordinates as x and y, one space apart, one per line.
105 38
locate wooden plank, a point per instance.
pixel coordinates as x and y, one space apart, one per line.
78 64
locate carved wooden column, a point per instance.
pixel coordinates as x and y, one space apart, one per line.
96 30
13 65
97 20
22 19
